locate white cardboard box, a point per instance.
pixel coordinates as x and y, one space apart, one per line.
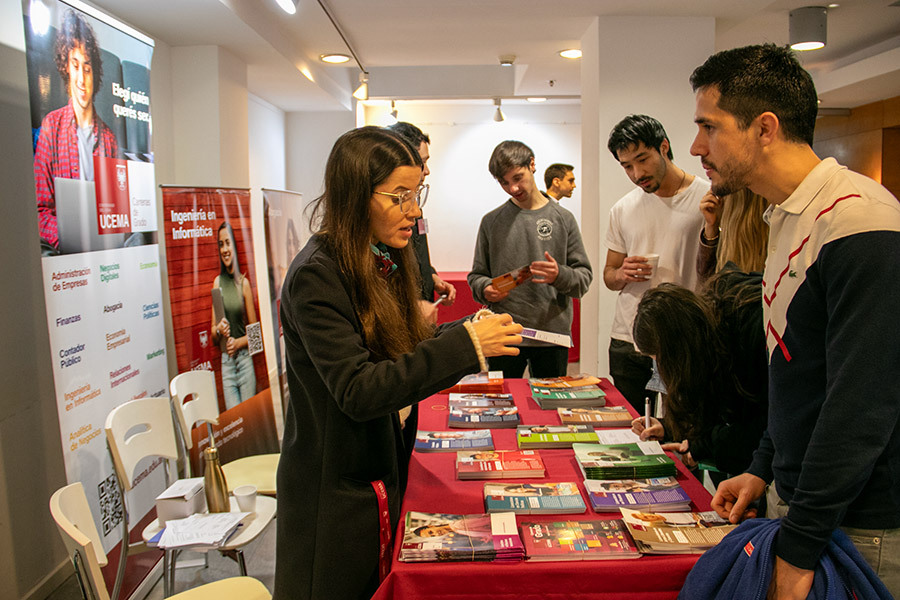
182 499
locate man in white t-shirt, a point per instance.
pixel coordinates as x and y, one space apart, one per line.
661 217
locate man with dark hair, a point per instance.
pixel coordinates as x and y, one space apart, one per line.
71 136
529 230
832 447
559 179
660 217
431 281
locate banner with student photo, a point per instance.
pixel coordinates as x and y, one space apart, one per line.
285 236
215 314
89 85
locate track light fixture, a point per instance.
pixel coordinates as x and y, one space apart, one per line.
498 114
394 112
362 92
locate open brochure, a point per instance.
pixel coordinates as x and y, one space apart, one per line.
675 532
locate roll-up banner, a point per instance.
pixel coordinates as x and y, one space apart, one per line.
285 236
215 314
89 84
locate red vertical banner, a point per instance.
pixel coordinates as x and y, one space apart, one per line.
215 313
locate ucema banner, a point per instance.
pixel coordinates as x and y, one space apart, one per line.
89 83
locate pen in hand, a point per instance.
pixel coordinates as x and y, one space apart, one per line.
647 412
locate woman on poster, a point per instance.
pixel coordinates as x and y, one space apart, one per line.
358 350
232 311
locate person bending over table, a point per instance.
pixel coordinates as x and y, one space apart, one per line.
711 355
358 350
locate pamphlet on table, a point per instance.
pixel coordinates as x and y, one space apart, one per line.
619 461
437 537
499 464
553 436
675 532
577 540
654 494
453 441
533 498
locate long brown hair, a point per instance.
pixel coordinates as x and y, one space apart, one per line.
684 331
387 307
745 236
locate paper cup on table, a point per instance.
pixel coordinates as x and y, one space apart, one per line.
245 495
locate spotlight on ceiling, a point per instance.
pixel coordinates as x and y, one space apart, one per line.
570 53
334 59
498 114
808 27
362 92
507 60
288 6
394 111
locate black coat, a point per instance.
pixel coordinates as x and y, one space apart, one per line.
342 431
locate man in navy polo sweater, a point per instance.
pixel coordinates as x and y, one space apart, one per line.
832 449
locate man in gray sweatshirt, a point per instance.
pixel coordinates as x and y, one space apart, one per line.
529 230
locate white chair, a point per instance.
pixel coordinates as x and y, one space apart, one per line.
143 428
70 510
200 387
134 431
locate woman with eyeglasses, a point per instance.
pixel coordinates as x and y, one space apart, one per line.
359 350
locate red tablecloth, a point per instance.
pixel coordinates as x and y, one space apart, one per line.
433 487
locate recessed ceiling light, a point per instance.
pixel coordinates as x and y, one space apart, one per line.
334 59
288 6
833 5
536 99
570 53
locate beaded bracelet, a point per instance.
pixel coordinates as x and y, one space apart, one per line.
470 329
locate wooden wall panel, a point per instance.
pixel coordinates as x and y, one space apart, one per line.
860 152
890 158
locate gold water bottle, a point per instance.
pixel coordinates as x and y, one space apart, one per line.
214 482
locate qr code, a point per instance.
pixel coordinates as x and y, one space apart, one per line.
111 512
254 338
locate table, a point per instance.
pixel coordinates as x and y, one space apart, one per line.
433 487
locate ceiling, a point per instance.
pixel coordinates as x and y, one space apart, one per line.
402 42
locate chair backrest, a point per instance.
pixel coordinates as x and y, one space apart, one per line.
69 508
203 406
128 447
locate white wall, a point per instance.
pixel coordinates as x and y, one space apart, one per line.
310 136
463 135
266 144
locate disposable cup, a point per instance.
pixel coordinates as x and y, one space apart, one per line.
653 262
246 497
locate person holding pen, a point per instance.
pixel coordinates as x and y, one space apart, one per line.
711 355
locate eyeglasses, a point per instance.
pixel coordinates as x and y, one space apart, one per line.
406 198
